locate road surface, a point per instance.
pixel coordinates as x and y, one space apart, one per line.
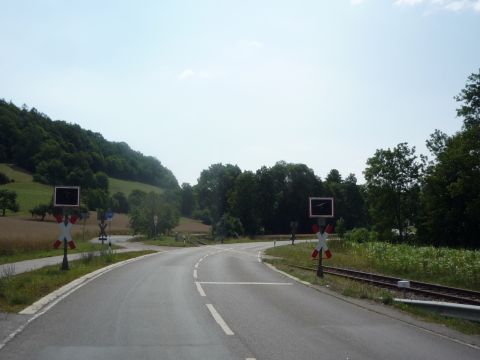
217 302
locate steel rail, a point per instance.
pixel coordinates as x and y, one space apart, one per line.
435 291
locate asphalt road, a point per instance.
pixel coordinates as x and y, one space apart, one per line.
217 302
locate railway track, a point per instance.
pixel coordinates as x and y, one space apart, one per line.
434 291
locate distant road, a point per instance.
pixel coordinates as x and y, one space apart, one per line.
217 302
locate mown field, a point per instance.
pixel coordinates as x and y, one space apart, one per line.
30 193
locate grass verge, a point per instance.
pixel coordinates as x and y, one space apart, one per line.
300 255
166 241
19 291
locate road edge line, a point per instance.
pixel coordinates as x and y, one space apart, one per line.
41 306
432 332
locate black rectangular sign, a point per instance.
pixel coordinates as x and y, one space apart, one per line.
321 207
66 196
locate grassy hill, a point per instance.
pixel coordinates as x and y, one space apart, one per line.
30 193
116 185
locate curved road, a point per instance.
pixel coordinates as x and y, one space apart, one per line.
217 302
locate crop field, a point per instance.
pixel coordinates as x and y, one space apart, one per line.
192 226
451 267
23 234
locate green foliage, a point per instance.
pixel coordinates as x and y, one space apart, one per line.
145 206
97 199
451 193
214 187
340 227
358 235
243 202
42 210
188 200
61 153
228 226
119 203
349 199
393 186
8 201
470 99
203 215
4 179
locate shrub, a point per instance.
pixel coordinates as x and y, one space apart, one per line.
358 235
4 179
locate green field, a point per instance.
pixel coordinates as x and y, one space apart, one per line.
30 193
117 185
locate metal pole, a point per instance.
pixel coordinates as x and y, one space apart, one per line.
320 266
65 258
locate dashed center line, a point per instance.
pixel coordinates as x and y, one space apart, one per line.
195 275
219 320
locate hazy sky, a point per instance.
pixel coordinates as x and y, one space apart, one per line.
194 83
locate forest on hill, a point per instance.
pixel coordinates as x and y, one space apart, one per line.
57 152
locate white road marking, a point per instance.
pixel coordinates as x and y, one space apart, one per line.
250 359
377 312
240 283
219 320
200 289
196 265
40 307
195 275
259 256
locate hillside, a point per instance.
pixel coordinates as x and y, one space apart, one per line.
57 152
30 193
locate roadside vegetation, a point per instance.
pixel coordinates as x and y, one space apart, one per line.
19 291
450 267
26 249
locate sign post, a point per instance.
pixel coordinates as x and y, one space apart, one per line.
66 197
109 216
321 208
155 222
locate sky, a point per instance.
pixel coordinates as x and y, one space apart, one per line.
194 83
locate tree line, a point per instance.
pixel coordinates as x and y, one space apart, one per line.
406 196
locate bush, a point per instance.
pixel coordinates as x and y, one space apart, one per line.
203 216
4 179
228 226
42 210
361 235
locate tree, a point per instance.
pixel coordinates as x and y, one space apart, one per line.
243 202
8 201
119 203
4 179
214 187
42 210
451 197
187 200
97 199
393 187
153 204
470 99
228 226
